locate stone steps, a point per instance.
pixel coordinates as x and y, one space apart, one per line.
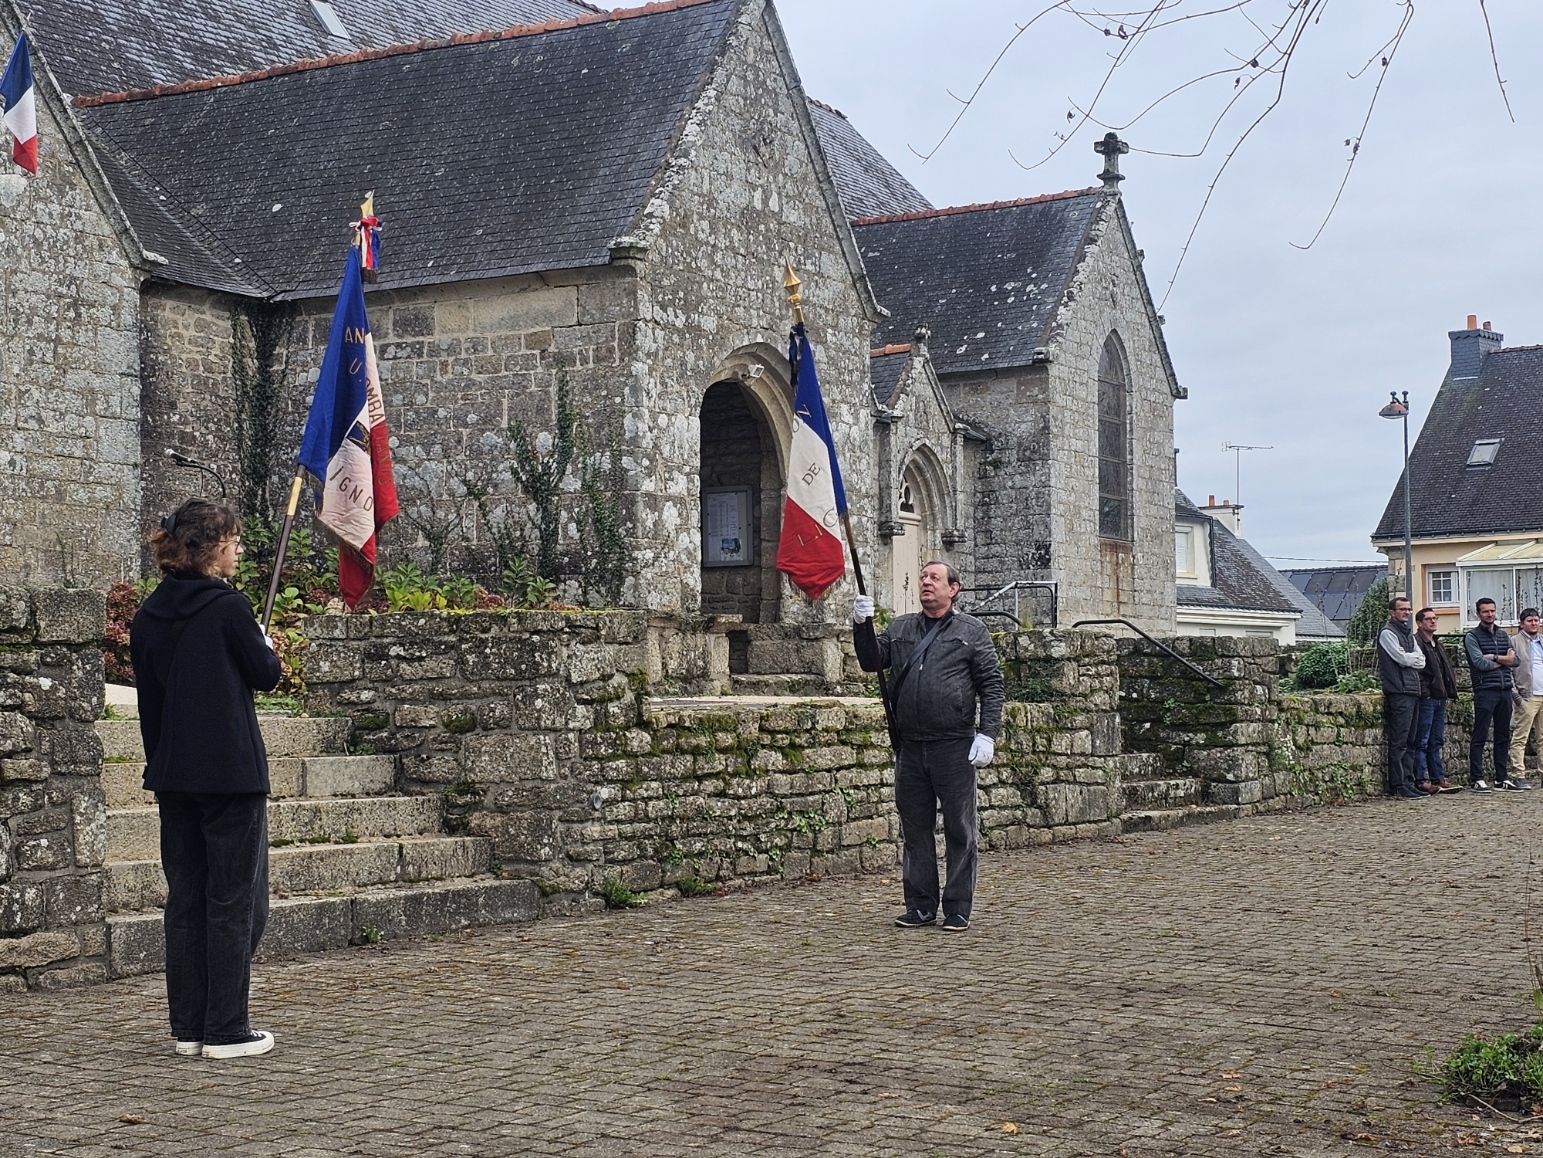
135 833
131 885
288 777
1161 819
351 861
136 945
1178 792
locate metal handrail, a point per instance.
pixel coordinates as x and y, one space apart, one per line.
1156 643
1015 586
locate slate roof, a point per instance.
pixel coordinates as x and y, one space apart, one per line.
1336 591
498 156
1450 498
986 279
868 184
96 46
884 372
1241 577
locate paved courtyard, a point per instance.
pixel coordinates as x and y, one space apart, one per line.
1267 987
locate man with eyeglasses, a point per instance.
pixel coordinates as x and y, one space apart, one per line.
1438 684
1399 663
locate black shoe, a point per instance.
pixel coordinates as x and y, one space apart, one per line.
955 923
258 1041
1514 784
1480 786
915 919
1405 792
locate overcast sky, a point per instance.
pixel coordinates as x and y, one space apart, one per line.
1280 347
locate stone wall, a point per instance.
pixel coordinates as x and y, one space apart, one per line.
553 735
53 819
69 390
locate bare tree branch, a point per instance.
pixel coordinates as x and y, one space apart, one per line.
1490 32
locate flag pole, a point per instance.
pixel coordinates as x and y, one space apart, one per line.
278 560
790 283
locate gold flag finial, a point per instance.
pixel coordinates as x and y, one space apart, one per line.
795 299
368 208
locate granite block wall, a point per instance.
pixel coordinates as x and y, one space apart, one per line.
53 817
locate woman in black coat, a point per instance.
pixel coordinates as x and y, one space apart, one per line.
198 654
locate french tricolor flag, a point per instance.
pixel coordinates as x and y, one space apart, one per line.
20 108
810 551
347 445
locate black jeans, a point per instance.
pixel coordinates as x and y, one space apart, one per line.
1401 715
1491 710
214 848
929 775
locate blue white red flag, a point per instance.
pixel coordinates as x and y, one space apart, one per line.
810 552
20 106
347 446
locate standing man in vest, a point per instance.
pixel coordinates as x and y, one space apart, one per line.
1528 678
1399 663
1490 659
946 691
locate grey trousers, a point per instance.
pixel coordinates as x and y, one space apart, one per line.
931 775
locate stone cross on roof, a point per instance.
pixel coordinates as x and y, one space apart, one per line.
1111 147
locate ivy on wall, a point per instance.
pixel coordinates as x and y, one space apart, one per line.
259 332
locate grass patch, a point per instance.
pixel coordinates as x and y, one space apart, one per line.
618 896
694 887
273 702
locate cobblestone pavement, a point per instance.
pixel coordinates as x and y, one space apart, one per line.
1265 987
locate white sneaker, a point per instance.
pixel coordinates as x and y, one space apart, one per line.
256 1042
1480 786
189 1048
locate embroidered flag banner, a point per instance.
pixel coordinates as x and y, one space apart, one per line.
20 106
810 552
347 445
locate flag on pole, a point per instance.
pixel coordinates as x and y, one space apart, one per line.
20 107
810 551
347 445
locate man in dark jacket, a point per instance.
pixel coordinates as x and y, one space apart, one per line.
1438 684
1490 658
1399 663
946 692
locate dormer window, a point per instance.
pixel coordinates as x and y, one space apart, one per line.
328 16
1484 452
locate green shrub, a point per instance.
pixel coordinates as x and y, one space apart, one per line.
694 887
1490 1067
618 896
1368 619
1321 666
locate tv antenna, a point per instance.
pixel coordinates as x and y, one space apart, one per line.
1237 468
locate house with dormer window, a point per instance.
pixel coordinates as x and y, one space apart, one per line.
1475 529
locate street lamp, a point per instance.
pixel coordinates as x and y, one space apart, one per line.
1400 409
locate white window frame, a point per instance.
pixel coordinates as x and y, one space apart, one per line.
1449 576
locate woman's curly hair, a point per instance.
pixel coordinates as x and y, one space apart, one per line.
188 539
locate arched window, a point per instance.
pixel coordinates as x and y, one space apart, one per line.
1114 481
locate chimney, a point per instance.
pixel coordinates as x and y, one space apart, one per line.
1226 514
1469 347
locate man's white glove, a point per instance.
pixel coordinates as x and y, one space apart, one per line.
982 749
862 609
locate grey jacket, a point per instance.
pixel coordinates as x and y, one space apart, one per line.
938 697
1521 674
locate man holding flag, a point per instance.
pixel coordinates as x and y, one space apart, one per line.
347 446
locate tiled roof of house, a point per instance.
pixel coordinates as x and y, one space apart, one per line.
524 151
986 279
1336 591
96 46
868 184
1449 497
1242 578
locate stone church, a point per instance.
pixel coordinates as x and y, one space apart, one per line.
598 202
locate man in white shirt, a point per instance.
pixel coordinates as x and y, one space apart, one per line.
1527 680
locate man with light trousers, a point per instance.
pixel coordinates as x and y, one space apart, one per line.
946 693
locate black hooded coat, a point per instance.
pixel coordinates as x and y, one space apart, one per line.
198 655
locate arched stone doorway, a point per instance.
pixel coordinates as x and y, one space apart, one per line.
919 512
741 473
